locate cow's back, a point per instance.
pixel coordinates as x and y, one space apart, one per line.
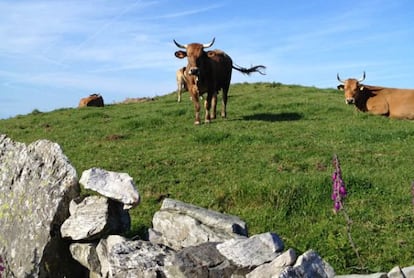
395 103
92 100
222 69
401 103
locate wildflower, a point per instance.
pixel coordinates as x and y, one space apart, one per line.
338 186
338 195
412 193
2 268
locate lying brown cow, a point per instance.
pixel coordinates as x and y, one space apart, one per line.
390 102
181 83
208 72
92 100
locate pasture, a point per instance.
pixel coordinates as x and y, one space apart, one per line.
269 162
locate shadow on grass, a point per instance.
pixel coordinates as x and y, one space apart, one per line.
271 117
140 232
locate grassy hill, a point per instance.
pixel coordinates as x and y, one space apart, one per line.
269 162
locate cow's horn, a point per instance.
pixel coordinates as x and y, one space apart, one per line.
207 45
363 78
180 45
339 79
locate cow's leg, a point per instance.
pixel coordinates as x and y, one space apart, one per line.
224 103
214 105
179 94
179 88
195 98
207 106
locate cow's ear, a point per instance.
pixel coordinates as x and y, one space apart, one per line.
180 54
211 54
340 87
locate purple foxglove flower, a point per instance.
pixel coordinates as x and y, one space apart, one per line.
338 186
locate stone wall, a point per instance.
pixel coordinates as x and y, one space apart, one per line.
48 230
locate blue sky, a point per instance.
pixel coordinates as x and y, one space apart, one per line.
52 53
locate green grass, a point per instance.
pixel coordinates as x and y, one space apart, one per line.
269 162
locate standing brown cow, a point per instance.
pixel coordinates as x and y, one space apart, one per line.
181 83
390 102
208 72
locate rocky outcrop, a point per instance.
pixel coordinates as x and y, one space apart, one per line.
37 183
48 230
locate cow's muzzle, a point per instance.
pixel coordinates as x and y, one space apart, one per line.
194 71
350 101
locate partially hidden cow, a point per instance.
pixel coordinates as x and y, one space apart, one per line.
181 83
390 102
208 72
92 100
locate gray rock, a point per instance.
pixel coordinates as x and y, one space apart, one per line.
372 275
309 265
120 257
275 267
228 223
85 254
180 225
253 251
408 271
202 260
95 217
398 272
37 182
116 186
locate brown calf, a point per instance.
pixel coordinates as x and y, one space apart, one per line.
181 82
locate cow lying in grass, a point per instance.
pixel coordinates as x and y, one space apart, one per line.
92 100
390 102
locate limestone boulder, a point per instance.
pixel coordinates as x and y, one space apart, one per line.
202 260
120 257
180 225
252 252
95 217
85 254
309 264
275 267
398 272
370 275
114 185
37 183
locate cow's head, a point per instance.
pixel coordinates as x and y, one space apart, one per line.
351 87
195 55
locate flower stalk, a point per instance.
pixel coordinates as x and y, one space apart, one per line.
338 196
412 194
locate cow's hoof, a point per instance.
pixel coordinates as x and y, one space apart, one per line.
197 122
207 121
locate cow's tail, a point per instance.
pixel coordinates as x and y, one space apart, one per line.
258 69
